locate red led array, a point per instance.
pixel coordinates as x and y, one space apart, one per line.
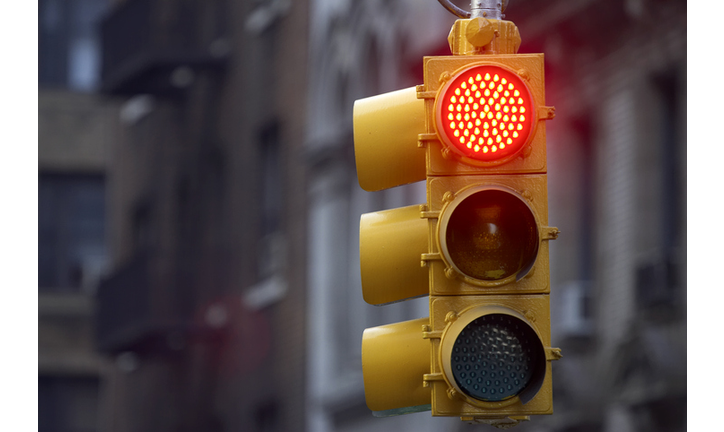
485 113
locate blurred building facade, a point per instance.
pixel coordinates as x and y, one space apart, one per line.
234 300
74 129
203 312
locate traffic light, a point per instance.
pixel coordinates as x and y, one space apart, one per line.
475 131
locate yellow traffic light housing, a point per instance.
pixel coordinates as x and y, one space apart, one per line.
475 131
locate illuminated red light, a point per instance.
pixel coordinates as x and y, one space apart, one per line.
485 113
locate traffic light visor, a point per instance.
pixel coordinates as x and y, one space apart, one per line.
391 243
386 129
490 235
485 113
394 359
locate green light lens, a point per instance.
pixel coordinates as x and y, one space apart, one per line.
495 357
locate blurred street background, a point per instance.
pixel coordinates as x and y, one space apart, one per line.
198 210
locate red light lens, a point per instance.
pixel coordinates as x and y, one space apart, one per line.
485 113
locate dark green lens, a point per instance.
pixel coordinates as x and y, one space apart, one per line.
495 357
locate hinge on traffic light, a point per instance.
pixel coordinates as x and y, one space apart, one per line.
424 94
550 233
424 258
427 333
546 113
429 214
553 354
427 378
423 138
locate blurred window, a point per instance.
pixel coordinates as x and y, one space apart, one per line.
659 275
271 179
672 147
271 195
71 225
69 43
67 404
143 227
586 195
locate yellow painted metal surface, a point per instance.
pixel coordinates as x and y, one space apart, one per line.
394 359
391 243
385 139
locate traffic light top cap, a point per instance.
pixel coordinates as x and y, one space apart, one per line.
476 36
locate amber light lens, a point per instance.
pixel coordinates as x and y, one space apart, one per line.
485 113
492 235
